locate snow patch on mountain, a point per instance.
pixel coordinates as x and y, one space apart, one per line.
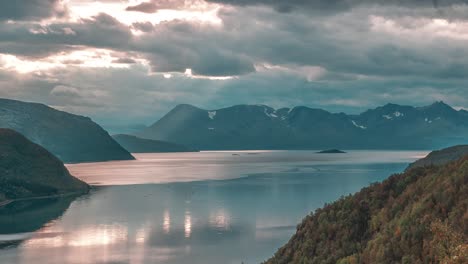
211 114
393 115
271 115
357 125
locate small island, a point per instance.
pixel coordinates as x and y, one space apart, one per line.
331 151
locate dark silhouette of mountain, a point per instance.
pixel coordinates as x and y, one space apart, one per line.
440 157
261 127
27 170
139 145
70 137
419 216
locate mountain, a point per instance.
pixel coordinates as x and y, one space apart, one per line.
420 216
440 157
331 151
261 127
140 145
28 170
71 138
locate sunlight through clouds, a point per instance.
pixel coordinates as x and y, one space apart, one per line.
202 11
151 55
88 58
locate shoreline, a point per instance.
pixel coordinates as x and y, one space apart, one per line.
7 202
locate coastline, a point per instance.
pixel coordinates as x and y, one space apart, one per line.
7 202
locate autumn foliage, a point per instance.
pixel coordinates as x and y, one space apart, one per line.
420 216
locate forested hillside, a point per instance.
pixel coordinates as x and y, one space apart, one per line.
27 170
420 216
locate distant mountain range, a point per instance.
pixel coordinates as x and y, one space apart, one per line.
261 127
71 138
139 145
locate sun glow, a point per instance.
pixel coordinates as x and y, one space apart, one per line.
90 58
199 11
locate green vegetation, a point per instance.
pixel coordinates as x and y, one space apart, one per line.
420 216
27 170
440 157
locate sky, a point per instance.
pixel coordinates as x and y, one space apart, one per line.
128 62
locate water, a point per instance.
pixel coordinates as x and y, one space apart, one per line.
210 207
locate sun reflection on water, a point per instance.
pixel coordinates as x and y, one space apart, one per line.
167 222
188 224
89 236
220 219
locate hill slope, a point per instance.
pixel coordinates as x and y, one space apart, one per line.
261 127
70 137
140 145
420 216
28 170
440 157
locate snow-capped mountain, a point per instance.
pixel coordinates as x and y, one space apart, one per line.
261 127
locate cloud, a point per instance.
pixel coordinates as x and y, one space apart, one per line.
363 57
254 36
37 40
131 95
143 27
334 6
125 61
66 91
155 5
31 9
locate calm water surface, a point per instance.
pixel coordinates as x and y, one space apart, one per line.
209 207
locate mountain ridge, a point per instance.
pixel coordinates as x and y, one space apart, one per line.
138 145
72 138
440 157
391 126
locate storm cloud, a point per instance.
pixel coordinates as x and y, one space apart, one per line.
334 6
338 55
31 9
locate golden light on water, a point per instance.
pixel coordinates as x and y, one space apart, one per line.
99 235
188 224
140 236
220 219
167 222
